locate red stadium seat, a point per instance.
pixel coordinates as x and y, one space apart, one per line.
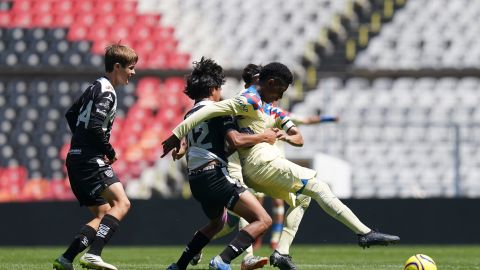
21 19
125 7
41 7
83 7
5 19
77 32
62 7
63 20
86 20
42 20
22 6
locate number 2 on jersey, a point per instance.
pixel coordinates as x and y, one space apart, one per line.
84 115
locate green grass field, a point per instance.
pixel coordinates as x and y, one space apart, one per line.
334 257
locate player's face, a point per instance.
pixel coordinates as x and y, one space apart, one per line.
124 73
217 94
273 90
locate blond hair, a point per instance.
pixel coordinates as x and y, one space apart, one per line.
117 53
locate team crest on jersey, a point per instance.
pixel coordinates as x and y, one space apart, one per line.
109 173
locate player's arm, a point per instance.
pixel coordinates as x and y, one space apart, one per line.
101 106
178 153
72 114
286 129
242 140
292 136
234 106
314 119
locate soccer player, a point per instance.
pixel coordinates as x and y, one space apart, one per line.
208 177
265 169
89 161
250 76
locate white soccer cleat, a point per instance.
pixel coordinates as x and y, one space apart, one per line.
253 262
91 261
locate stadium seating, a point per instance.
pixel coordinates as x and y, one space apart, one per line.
427 34
238 32
399 133
75 34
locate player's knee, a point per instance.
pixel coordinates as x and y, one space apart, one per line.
303 201
266 221
216 225
124 205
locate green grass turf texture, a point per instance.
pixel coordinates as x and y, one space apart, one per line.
327 257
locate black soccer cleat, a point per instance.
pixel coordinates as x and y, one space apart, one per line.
376 238
284 262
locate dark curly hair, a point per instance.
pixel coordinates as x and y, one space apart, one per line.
278 71
249 72
205 75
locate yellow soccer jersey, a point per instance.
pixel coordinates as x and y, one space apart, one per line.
255 117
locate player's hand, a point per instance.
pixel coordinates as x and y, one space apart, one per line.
270 135
178 153
281 135
111 161
169 144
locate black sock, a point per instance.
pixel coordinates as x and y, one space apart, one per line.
81 241
237 246
107 228
195 245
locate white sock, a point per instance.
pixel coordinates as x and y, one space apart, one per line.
320 192
293 217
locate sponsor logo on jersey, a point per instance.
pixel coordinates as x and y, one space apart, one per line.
241 103
100 162
101 112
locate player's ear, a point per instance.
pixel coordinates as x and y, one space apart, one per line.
117 66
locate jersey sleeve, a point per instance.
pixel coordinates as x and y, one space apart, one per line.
101 107
282 118
72 114
238 105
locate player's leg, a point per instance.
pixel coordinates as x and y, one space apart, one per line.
258 242
250 261
278 211
321 193
198 242
280 257
252 211
118 200
83 239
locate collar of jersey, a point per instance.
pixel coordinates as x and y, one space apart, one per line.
203 102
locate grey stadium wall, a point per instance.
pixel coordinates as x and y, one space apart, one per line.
173 222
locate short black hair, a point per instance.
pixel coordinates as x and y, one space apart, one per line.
205 75
276 70
249 72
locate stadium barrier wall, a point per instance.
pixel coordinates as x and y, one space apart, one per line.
173 222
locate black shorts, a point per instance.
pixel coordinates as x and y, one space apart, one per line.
214 189
89 177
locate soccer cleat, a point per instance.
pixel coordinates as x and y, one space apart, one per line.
284 262
91 261
375 237
196 259
173 266
61 263
217 264
253 262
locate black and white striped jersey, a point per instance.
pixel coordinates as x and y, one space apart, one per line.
207 140
90 119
